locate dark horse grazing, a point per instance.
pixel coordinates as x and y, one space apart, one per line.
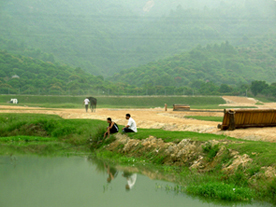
93 103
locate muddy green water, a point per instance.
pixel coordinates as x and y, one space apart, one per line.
31 181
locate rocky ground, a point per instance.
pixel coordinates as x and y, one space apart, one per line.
191 154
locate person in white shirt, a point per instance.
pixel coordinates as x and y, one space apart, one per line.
86 103
131 125
131 179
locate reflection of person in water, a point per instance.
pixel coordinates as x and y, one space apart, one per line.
131 179
112 173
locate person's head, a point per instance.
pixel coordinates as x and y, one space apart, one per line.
109 120
108 179
127 116
127 187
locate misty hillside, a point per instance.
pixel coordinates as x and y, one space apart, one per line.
104 37
21 74
220 64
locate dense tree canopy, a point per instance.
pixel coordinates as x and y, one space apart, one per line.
21 74
219 64
104 37
162 47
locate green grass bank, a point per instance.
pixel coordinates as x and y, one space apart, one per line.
209 102
206 118
49 134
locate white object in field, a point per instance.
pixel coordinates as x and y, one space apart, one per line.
148 6
14 101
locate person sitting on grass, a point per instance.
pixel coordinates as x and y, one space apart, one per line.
131 125
111 129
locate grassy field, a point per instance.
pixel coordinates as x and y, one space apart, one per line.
114 102
174 136
266 99
50 134
51 126
206 118
14 128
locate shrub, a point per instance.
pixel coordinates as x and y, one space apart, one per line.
221 191
210 150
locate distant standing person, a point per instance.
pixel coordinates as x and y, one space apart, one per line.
131 125
86 103
111 129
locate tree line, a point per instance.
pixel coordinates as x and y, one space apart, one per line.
25 75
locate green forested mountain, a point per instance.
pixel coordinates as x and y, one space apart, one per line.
23 49
27 75
103 37
219 64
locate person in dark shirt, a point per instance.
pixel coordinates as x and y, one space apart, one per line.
112 173
111 129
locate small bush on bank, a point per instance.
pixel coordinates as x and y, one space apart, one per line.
210 150
221 191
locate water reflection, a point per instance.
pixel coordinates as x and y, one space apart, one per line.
112 172
13 160
130 173
10 160
131 179
75 181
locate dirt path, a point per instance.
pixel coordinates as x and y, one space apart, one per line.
159 119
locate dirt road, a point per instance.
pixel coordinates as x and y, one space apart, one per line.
159 119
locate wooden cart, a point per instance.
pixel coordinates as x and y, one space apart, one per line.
245 118
181 107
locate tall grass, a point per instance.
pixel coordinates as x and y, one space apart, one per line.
219 190
73 131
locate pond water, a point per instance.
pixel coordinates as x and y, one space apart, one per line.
32 181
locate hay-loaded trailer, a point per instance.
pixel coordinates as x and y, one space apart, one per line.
245 118
181 107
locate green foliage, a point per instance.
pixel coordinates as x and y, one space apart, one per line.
253 170
97 139
73 131
210 150
217 66
21 138
38 77
258 87
257 150
272 189
263 88
106 36
239 177
221 191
